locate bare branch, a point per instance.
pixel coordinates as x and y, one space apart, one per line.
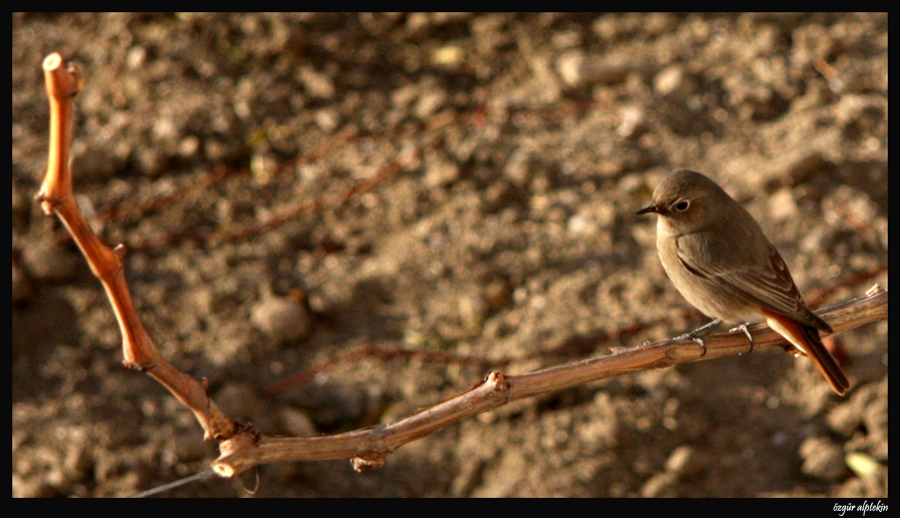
369 447
56 196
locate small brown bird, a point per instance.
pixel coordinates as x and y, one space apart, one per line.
719 259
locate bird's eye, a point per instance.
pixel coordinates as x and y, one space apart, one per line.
682 205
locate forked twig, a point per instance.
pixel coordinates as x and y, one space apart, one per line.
55 196
242 448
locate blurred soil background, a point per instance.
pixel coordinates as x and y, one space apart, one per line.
296 187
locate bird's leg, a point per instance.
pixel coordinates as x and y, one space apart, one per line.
692 335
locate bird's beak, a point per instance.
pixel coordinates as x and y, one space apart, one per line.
645 210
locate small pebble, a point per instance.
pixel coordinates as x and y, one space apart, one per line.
685 461
317 84
673 82
662 485
822 459
296 423
328 119
578 70
283 319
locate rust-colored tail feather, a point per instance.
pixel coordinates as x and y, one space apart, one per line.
824 361
806 338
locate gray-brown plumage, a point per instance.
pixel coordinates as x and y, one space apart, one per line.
721 261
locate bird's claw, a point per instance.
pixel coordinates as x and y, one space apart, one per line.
743 327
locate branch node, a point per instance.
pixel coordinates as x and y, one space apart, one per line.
874 289
45 202
368 461
129 364
77 79
497 381
244 441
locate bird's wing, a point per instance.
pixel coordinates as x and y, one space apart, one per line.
768 283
